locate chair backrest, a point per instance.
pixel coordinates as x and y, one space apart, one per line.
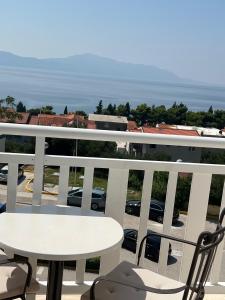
203 258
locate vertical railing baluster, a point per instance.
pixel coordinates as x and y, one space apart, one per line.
12 186
144 213
115 208
38 170
87 187
63 184
86 204
197 211
167 220
217 264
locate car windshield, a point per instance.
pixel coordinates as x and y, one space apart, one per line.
72 192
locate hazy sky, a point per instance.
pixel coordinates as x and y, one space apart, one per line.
183 36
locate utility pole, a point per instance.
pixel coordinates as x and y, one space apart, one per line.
75 151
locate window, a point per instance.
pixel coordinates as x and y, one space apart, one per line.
94 195
132 235
152 145
191 149
155 206
78 194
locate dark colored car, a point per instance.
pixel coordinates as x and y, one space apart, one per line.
2 207
74 198
156 210
152 244
4 172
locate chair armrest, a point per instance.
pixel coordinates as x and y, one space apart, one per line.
131 285
168 237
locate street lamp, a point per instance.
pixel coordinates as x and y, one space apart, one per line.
75 151
43 181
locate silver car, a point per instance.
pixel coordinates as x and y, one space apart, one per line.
74 198
4 173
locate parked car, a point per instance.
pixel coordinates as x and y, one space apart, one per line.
4 173
2 207
152 244
74 198
156 210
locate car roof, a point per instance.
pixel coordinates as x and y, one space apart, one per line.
153 237
96 191
153 201
5 168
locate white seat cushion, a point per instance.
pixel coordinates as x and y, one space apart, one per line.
130 273
12 281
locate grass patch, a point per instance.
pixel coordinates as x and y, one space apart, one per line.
74 178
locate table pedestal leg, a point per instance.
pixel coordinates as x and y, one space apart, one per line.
55 277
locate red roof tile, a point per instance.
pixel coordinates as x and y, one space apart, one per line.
33 120
170 131
91 124
25 117
59 120
131 125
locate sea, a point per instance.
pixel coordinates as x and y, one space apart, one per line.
36 88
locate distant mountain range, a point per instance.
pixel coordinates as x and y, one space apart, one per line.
89 64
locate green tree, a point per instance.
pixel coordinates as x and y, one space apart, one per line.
177 114
158 115
10 101
34 111
210 110
142 114
20 107
65 110
7 109
127 110
48 109
81 113
124 110
99 108
110 110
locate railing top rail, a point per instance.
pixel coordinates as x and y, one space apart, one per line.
112 136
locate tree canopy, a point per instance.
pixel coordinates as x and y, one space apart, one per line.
7 110
65 110
48 110
20 107
177 114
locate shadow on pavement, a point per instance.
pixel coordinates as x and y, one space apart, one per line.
171 260
178 224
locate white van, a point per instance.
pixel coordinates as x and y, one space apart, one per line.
4 173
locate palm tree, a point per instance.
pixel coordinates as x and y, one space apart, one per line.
7 112
10 102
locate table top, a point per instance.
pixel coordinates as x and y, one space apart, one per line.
59 233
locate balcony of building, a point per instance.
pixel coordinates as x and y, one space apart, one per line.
192 222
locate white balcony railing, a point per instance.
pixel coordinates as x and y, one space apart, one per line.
117 184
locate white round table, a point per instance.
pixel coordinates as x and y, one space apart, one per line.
58 234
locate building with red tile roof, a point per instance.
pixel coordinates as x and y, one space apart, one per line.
170 131
90 124
174 153
57 120
132 125
33 120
